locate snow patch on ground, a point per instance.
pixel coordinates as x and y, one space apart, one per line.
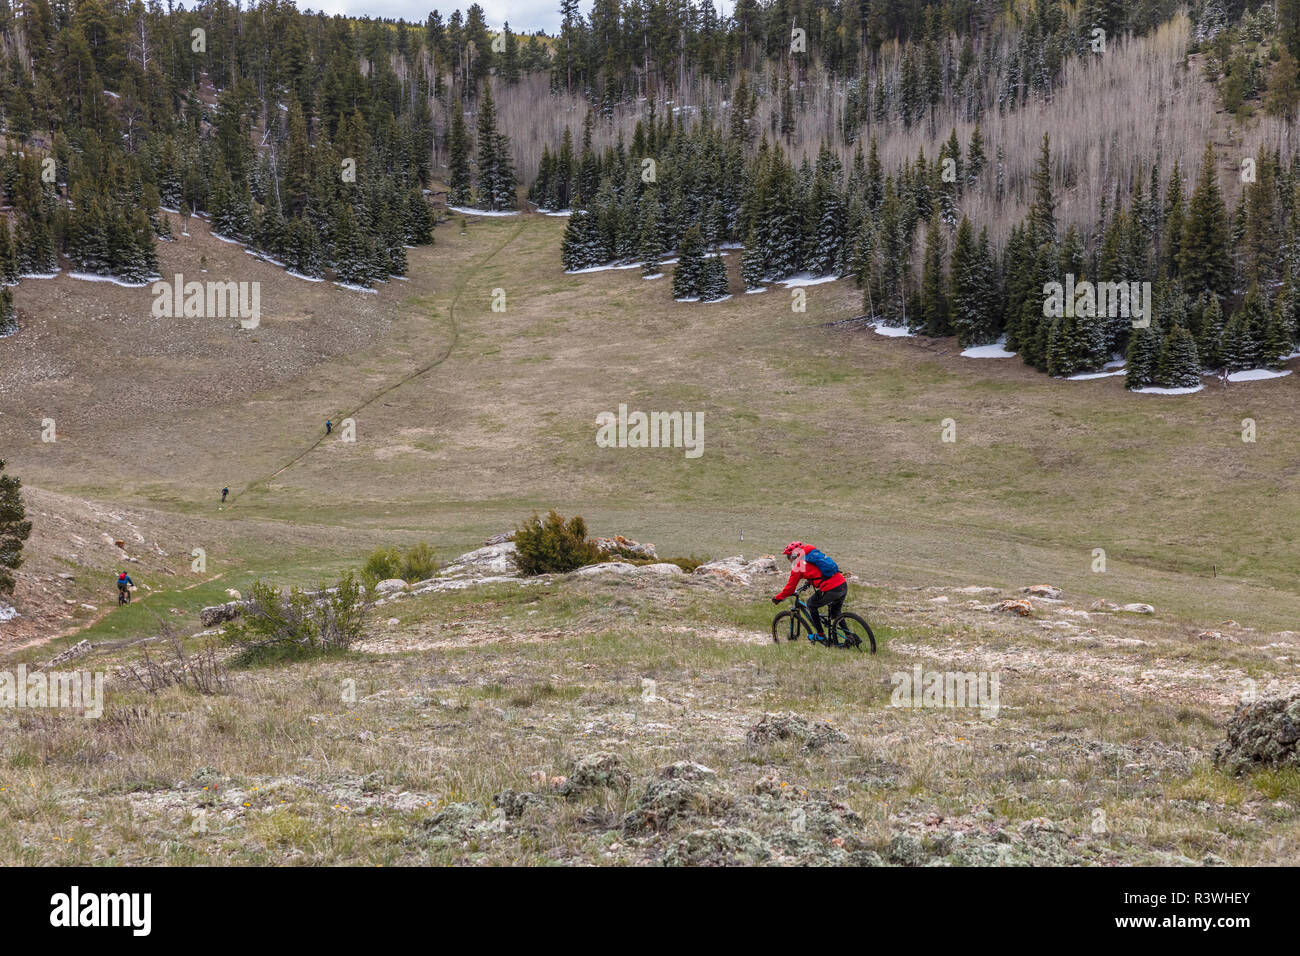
657 275
1156 390
264 257
40 275
761 288
893 331
605 268
299 275
555 212
91 277
465 210
356 288
1256 375
805 278
996 350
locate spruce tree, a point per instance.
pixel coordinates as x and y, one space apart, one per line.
713 278
1204 265
8 319
1178 365
458 183
934 300
1209 340
1143 356
14 526
690 265
650 248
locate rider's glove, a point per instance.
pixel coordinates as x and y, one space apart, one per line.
776 600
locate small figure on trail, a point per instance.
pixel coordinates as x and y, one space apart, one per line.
329 426
224 492
123 582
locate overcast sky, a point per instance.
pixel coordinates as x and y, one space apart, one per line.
525 16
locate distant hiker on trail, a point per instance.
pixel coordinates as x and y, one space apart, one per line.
224 492
830 588
329 426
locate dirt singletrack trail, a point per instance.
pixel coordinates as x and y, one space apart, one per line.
404 380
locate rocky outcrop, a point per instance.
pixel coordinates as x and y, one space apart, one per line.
221 613
624 546
1042 591
772 728
1104 605
1265 733
1020 607
390 584
599 771
736 570
498 559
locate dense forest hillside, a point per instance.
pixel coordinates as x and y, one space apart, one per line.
955 157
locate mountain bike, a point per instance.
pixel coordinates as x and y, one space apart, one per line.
849 631
123 595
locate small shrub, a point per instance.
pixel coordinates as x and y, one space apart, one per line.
202 673
274 629
551 545
383 563
417 564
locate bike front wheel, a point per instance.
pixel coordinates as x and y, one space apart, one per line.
787 626
854 632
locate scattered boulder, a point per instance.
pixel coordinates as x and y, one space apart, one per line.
79 649
625 546
606 567
1265 733
220 613
681 791
1104 605
662 569
491 559
389 585
1014 606
1137 609
452 823
515 803
736 570
500 538
788 725
1210 636
233 594
595 772
720 846
1042 591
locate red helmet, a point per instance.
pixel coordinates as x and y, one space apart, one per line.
794 546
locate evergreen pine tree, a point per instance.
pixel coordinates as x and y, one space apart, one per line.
1143 356
649 241
1178 365
8 320
14 526
1204 265
458 184
1210 337
690 264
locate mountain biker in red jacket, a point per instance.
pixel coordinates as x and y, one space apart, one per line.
829 592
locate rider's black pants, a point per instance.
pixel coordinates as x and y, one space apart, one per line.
833 601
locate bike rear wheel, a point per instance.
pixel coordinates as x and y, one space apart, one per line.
787 626
854 632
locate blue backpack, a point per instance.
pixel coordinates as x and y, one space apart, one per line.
822 563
